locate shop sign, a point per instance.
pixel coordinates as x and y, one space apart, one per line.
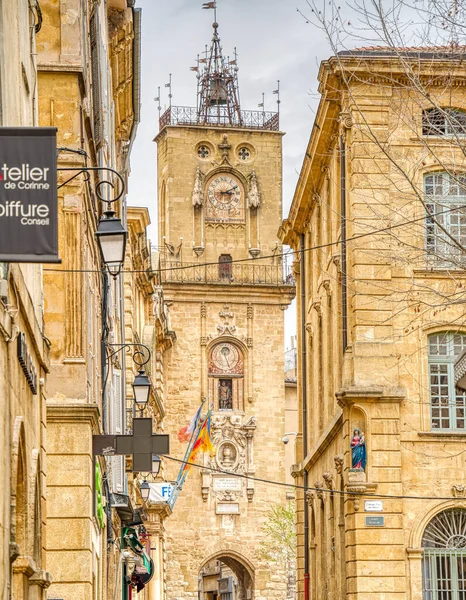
25 360
28 195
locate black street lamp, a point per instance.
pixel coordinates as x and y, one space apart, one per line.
144 489
156 463
141 388
141 384
111 237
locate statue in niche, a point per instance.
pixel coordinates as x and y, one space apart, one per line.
198 192
225 399
254 198
358 450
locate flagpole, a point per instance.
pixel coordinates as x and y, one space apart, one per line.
181 474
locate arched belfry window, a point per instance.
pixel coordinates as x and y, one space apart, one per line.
226 377
444 557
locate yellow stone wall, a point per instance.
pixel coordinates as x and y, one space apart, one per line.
23 511
380 383
177 164
202 314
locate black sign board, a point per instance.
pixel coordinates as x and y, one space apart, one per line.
28 195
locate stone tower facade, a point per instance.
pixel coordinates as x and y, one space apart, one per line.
219 180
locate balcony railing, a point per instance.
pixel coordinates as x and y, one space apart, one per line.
234 274
220 116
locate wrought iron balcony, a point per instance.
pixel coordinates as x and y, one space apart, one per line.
230 274
220 116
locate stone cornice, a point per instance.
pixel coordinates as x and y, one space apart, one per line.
351 395
223 293
24 565
41 578
324 440
313 170
72 412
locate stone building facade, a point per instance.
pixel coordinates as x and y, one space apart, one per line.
24 351
88 63
377 211
219 202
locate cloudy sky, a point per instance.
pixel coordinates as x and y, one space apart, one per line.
273 43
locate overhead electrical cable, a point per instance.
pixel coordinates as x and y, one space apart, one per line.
289 253
312 489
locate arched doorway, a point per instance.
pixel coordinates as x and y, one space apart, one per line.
226 577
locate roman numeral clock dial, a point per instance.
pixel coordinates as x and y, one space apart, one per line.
224 194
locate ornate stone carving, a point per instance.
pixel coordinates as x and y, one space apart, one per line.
317 307
225 148
203 310
458 491
357 484
226 326
319 485
254 198
310 496
339 461
234 442
198 190
328 478
345 120
250 311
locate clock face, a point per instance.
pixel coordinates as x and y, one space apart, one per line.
224 198
226 359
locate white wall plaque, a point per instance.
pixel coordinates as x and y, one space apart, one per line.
227 508
373 505
227 484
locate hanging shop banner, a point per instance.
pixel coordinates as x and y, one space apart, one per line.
28 195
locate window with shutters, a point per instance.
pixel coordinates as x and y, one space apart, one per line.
116 426
448 402
445 199
91 357
96 80
444 122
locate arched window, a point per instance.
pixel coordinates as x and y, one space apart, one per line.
226 377
444 557
445 197
443 121
448 403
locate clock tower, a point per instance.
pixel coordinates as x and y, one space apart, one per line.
219 210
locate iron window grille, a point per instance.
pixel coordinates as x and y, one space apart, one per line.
444 556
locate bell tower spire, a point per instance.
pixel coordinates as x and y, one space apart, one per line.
218 92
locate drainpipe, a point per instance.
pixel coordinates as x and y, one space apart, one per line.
344 291
304 403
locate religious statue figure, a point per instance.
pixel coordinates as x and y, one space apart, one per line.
254 198
198 193
358 450
224 395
